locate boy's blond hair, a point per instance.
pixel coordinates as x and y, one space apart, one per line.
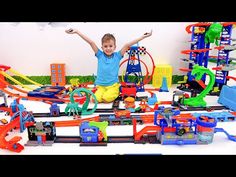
108 37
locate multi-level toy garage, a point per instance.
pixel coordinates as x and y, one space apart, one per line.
155 108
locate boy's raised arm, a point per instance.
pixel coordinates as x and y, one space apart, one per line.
88 40
126 46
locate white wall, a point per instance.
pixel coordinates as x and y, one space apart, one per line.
30 48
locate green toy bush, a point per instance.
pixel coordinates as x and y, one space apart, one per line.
46 80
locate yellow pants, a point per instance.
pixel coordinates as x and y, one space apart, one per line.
107 93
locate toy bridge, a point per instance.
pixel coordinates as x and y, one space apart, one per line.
18 120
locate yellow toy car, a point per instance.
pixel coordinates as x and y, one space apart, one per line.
4 121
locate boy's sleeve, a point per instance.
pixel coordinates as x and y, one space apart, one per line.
119 55
98 54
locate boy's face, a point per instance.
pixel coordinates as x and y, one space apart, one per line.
108 47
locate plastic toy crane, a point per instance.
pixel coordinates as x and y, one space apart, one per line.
199 100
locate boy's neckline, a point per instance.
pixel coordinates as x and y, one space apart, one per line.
109 56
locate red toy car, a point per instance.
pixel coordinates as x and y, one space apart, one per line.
128 90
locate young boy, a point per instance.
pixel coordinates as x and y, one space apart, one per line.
107 81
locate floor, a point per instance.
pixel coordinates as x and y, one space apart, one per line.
220 145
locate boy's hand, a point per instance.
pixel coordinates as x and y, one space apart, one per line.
71 31
147 34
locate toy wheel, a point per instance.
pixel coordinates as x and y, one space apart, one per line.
209 109
181 132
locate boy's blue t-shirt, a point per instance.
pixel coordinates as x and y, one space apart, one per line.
108 68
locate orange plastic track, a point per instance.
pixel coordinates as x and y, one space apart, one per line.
145 130
231 77
12 86
196 50
234 113
45 100
201 83
6 109
228 23
188 28
4 67
147 118
165 102
71 123
185 69
150 130
217 68
12 144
